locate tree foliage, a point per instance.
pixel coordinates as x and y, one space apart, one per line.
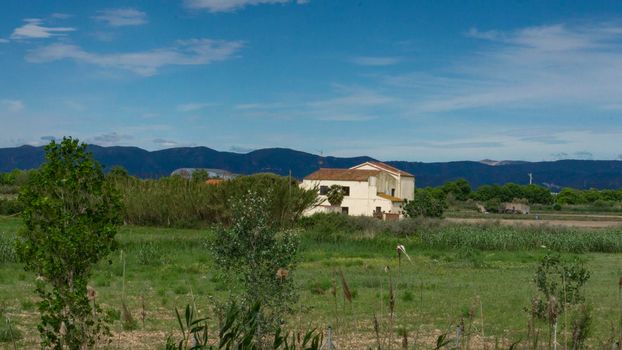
507 193
461 189
335 195
257 256
561 282
70 220
425 204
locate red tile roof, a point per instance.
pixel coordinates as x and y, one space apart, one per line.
342 174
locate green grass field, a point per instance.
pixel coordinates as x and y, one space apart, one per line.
168 268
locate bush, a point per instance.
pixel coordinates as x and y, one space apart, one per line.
257 257
425 204
493 205
333 227
10 206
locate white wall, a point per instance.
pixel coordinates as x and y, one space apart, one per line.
407 187
361 201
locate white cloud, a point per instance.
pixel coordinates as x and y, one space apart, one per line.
376 61
531 67
60 15
34 29
165 143
110 139
13 105
344 104
145 63
122 17
232 5
3 41
191 107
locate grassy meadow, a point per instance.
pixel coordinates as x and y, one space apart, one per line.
452 271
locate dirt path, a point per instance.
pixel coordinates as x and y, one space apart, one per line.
528 222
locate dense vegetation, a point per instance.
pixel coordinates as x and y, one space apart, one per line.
179 202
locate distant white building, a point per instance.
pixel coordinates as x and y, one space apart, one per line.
371 189
212 173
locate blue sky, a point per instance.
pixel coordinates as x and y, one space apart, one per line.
396 80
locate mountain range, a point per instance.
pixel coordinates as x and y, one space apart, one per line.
152 164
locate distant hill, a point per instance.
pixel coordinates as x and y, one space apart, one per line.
142 163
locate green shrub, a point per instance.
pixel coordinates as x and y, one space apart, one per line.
425 204
258 257
493 205
10 206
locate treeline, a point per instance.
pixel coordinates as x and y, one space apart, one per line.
492 195
10 184
179 202
460 190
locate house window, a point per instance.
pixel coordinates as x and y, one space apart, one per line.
393 192
378 209
346 190
323 190
344 210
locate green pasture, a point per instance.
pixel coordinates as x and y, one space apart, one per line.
168 268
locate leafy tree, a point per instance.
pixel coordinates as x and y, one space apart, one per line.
424 204
461 189
335 195
560 283
570 196
257 258
70 220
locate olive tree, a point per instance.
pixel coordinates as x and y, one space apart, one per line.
71 214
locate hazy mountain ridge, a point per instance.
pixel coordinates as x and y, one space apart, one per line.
142 163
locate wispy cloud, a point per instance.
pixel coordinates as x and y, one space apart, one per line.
33 28
3 41
122 17
526 68
240 149
146 63
376 60
191 107
12 105
344 103
164 143
233 5
60 15
110 139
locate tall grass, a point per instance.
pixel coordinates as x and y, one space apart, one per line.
178 202
432 233
507 238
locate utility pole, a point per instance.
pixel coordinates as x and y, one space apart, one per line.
530 178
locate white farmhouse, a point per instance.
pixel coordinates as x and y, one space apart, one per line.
371 189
